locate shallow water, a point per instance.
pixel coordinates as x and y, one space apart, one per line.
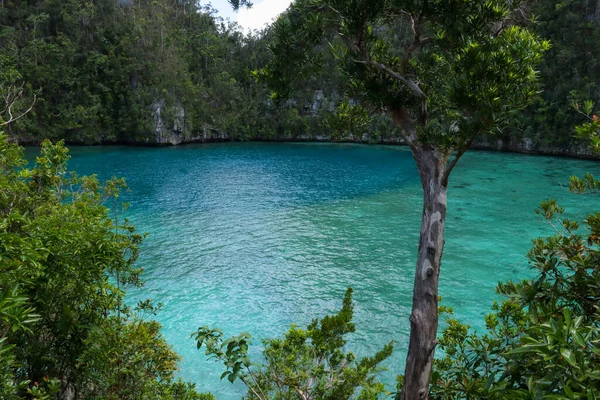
254 237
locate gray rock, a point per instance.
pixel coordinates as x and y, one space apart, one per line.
166 132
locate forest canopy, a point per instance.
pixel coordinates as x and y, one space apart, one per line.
172 71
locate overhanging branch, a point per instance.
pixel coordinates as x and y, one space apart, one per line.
412 86
409 83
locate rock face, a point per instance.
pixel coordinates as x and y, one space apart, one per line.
171 127
166 132
530 146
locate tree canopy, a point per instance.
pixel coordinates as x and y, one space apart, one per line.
457 68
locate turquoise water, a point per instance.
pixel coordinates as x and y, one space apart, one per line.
253 237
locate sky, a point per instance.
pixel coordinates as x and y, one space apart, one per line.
261 13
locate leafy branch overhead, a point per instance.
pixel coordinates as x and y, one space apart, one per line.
455 80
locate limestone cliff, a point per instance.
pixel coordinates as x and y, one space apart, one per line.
172 128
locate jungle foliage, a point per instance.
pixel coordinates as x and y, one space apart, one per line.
570 71
66 261
100 70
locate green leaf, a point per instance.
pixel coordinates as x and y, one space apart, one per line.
569 356
231 377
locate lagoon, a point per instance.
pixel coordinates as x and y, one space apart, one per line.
256 236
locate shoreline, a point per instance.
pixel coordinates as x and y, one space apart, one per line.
580 153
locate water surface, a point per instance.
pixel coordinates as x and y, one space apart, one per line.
254 237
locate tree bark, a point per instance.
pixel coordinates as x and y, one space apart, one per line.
424 316
432 164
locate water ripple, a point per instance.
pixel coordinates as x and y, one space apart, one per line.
254 237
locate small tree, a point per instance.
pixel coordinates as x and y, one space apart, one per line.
445 71
305 364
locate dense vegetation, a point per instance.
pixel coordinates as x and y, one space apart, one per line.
570 71
304 364
103 69
66 262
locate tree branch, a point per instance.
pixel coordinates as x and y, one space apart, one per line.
414 88
252 389
408 53
416 25
454 161
12 95
406 125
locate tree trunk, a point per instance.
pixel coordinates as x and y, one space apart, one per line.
424 316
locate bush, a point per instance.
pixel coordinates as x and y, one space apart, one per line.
65 266
303 364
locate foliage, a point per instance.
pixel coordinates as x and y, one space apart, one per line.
127 358
588 132
569 70
348 119
15 314
65 267
543 340
103 67
456 80
303 364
